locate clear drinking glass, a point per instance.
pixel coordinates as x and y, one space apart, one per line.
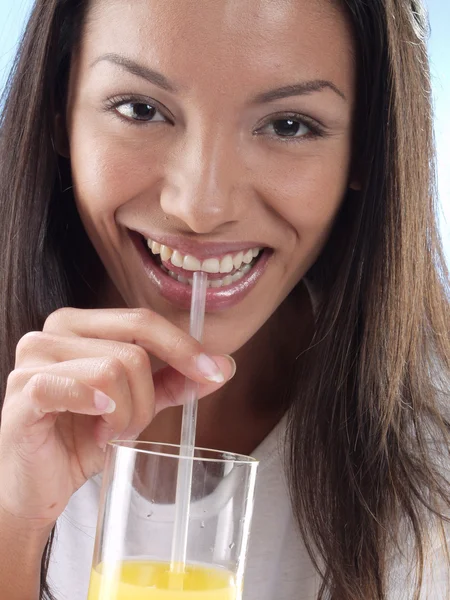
132 556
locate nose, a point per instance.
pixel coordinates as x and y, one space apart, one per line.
202 183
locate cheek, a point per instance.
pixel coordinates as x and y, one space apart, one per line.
108 171
308 192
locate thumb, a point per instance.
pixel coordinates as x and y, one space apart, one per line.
170 384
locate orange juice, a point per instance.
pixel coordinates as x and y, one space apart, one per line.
146 580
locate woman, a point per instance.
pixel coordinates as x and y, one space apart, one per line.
286 149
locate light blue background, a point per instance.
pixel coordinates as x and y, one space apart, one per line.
13 14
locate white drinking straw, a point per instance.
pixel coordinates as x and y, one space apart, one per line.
187 443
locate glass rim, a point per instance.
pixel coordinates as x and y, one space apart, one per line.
223 456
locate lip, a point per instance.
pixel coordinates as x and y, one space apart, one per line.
179 294
200 250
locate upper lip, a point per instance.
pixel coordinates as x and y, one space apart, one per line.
200 249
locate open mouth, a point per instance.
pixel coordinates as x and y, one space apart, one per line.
222 271
231 275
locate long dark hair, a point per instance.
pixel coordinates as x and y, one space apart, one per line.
367 394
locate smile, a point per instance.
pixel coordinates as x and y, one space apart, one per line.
181 266
232 272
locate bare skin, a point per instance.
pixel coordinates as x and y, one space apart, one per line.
206 175
209 167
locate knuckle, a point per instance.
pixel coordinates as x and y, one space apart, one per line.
57 318
17 379
28 343
73 390
37 387
111 369
138 359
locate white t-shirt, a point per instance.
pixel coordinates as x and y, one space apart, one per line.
278 566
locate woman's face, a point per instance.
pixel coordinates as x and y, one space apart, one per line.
214 128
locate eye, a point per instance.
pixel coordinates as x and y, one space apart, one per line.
291 127
288 127
140 111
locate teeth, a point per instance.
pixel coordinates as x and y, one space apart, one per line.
228 280
215 283
154 246
237 261
166 253
177 259
191 263
211 265
226 264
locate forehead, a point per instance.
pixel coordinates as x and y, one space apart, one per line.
227 41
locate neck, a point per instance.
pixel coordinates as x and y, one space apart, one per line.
242 413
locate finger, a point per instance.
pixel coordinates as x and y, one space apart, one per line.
38 348
131 386
46 396
144 328
63 349
105 375
170 388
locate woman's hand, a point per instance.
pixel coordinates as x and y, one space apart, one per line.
86 379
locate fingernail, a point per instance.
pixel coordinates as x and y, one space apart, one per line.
232 364
103 402
209 369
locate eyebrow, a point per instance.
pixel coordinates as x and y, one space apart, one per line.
299 89
158 79
135 68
